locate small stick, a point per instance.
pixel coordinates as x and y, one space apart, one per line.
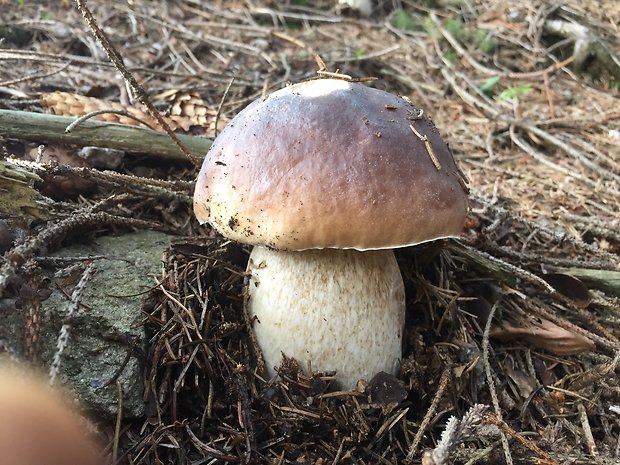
505 428
320 63
32 330
491 383
549 95
335 75
219 108
429 147
117 426
294 41
92 114
260 361
180 190
587 432
32 77
63 338
443 384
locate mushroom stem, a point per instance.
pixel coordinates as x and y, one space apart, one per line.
329 309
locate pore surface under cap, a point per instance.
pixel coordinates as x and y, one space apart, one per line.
330 164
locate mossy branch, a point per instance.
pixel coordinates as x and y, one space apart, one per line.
606 280
48 129
18 197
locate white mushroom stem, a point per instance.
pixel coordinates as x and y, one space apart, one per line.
329 309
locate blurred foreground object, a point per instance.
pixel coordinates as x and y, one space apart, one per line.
38 425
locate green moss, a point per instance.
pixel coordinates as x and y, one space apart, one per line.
457 29
404 21
480 38
429 26
515 92
451 56
484 41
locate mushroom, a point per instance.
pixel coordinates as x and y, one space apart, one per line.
325 178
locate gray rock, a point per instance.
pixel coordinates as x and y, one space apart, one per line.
106 335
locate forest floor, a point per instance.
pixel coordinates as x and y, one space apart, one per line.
513 330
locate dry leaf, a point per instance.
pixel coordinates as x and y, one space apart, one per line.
571 287
544 334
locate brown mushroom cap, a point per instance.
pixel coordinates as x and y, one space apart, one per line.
331 164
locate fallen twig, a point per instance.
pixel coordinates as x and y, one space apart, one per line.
48 129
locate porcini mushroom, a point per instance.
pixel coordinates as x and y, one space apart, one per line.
324 178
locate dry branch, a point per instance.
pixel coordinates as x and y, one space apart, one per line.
49 129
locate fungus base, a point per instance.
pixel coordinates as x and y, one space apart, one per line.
329 309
